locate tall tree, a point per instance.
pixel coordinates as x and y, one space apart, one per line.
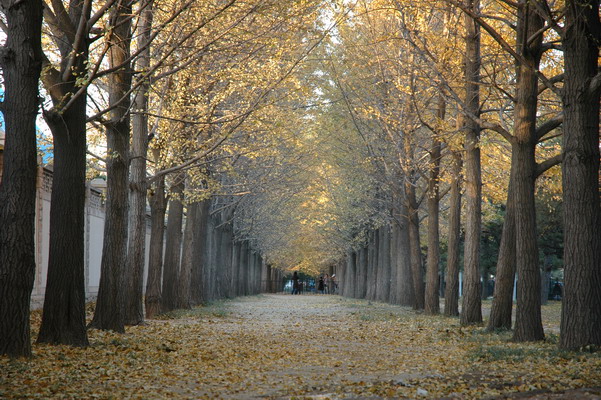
581 311
158 208
21 63
528 325
173 246
63 318
471 310
451 296
110 311
189 242
432 298
134 275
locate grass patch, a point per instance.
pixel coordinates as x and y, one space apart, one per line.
218 309
503 353
526 351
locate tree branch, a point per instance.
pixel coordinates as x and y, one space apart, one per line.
595 83
79 41
503 43
547 164
548 126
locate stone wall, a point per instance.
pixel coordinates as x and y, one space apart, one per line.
94 232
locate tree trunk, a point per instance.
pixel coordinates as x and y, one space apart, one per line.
63 318
451 296
372 265
432 297
351 271
226 259
402 245
110 307
134 274
158 208
21 66
184 277
528 322
394 261
244 268
471 310
173 248
415 249
264 276
362 273
502 303
209 270
217 264
581 307
200 253
383 282
357 255
237 273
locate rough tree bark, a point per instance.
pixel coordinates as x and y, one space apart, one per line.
404 275
415 251
528 324
394 261
361 273
236 254
109 313
351 272
432 297
21 61
502 303
63 317
134 274
199 255
451 296
184 277
383 282
225 262
158 208
471 310
173 246
581 311
372 265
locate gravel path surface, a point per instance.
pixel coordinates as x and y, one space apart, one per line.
328 347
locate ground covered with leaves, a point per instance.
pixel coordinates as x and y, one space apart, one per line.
297 347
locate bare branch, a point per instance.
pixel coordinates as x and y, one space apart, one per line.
553 80
548 126
62 19
503 43
79 40
98 14
547 164
96 156
595 83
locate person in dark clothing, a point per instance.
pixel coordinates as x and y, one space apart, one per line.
295 287
556 292
320 285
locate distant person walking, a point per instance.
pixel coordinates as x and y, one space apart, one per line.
295 286
320 285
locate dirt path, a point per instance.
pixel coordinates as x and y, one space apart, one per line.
302 347
322 347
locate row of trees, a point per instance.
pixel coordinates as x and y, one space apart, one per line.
307 132
177 92
447 96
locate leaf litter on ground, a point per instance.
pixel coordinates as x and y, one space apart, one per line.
302 347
